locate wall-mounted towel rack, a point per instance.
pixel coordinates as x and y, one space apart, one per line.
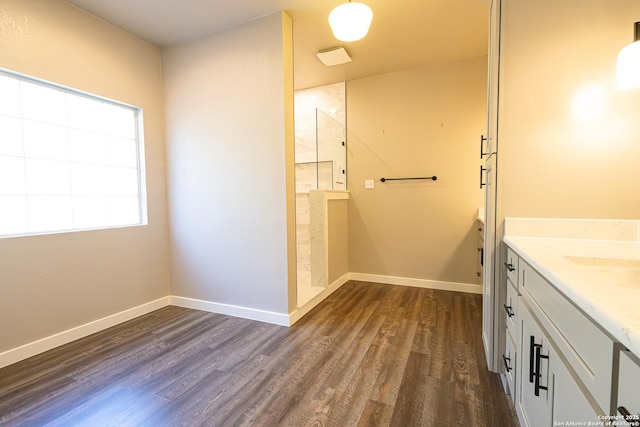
433 178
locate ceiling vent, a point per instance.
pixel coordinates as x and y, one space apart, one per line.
334 56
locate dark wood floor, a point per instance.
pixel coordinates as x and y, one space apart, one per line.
370 355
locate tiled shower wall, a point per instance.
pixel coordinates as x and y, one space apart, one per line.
325 127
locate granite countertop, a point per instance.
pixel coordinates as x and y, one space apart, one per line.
602 277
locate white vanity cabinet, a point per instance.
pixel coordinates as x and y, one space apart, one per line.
563 367
588 350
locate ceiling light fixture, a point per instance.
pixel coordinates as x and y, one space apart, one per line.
350 21
628 65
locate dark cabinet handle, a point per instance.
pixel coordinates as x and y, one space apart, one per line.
536 386
509 266
633 420
509 310
507 361
482 140
482 184
481 250
532 343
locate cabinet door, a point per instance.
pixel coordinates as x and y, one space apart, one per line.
493 296
492 325
491 146
628 393
535 382
570 403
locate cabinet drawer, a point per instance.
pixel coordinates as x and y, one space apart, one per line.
628 393
512 267
511 310
509 359
588 350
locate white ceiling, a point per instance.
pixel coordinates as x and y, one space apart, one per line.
404 33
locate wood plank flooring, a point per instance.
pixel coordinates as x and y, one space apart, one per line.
369 355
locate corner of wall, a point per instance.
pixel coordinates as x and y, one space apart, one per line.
289 149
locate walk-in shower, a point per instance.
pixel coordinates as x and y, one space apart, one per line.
320 164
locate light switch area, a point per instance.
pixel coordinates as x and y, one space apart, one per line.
368 183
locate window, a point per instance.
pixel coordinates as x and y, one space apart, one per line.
68 160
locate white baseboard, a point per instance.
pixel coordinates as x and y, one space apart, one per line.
231 310
31 349
297 314
418 283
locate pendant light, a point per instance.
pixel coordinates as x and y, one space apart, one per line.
350 21
628 65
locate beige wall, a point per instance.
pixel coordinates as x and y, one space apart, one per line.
338 236
554 162
52 283
419 122
229 103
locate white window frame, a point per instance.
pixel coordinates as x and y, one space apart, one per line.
139 162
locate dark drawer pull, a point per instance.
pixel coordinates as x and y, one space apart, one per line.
633 420
509 266
482 184
509 310
507 361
